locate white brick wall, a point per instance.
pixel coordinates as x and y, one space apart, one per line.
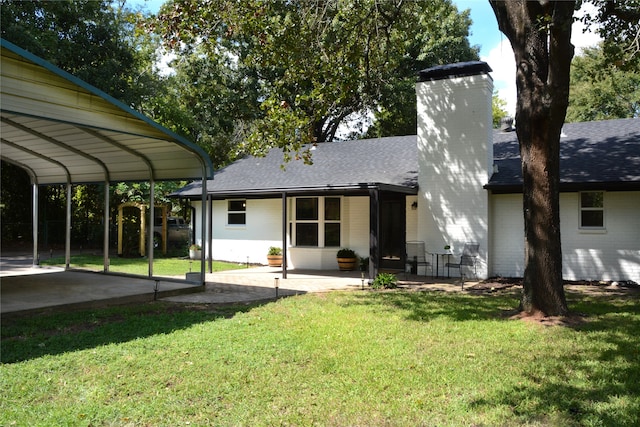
455 148
610 254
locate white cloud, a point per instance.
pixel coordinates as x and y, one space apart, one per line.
503 64
501 60
163 64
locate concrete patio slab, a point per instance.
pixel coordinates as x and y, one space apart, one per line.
53 288
27 289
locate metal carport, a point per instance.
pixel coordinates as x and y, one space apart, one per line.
62 130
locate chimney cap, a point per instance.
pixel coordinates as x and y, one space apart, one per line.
459 69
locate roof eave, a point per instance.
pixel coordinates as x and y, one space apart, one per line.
347 189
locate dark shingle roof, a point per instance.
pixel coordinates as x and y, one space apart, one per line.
339 166
593 155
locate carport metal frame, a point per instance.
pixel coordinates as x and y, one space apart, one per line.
61 130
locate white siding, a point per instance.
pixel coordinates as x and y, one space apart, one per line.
610 254
248 243
264 229
507 236
412 220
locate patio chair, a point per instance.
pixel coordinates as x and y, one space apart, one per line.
417 257
467 259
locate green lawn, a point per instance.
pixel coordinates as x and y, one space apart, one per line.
140 266
359 358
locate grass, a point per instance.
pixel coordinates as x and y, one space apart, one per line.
392 358
139 266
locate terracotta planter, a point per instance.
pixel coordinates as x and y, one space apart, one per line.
347 264
274 260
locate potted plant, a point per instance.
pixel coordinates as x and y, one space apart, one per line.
274 256
347 259
195 251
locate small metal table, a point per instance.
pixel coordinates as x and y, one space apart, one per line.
442 254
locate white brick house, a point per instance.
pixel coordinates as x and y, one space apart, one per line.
457 181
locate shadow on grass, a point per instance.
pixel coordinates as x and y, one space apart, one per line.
592 378
426 306
25 338
596 385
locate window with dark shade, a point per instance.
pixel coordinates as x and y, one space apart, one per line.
317 221
592 209
237 212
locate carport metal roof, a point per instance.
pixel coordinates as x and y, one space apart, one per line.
61 129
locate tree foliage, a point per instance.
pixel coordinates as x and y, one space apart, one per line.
618 24
301 68
90 39
498 111
600 89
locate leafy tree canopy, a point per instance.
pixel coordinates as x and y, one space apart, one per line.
93 40
498 111
602 90
618 24
301 68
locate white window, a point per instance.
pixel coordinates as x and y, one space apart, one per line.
236 212
316 221
592 209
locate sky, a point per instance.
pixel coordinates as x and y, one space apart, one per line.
494 46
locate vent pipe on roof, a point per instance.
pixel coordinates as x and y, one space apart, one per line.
506 124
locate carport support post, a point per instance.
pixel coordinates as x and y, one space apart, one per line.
67 230
284 236
34 226
152 219
105 221
206 210
374 233
210 234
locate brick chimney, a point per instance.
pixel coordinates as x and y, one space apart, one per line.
455 149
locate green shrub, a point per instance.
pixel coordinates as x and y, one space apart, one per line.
274 250
385 281
346 253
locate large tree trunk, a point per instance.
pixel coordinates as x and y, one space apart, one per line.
540 35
